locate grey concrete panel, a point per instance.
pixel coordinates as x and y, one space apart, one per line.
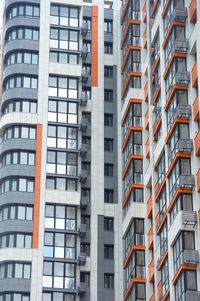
87 11
108 37
108 13
21 21
109 294
20 69
109 183
16 197
17 144
109 265
10 2
109 83
17 170
86 296
87 237
22 93
15 285
21 45
16 226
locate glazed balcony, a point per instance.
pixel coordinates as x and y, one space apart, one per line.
193 11
145 38
146 117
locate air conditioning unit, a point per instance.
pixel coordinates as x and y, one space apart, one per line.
83 99
82 288
83 176
82 230
84 51
82 259
84 75
84 202
84 28
83 150
83 124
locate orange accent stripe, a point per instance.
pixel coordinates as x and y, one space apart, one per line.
156 94
94 71
165 8
131 285
155 65
38 161
183 267
163 259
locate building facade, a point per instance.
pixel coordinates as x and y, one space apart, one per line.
160 145
60 217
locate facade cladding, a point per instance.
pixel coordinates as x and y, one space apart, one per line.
100 146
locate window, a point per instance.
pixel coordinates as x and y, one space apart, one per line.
85 278
108 95
86 166
108 48
18 157
136 82
24 132
64 39
109 280
16 240
108 145
108 26
62 184
108 252
23 33
108 119
85 219
108 170
55 296
63 111
59 275
63 163
21 57
89 23
163 240
15 296
15 270
108 71
25 106
60 217
23 10
64 58
64 15
88 44
27 82
87 140
60 245
17 184
108 223
64 87
134 235
85 248
20 212
85 192
109 196
186 281
62 137
184 202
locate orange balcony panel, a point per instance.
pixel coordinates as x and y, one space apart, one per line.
159 290
151 22
144 12
147 148
199 218
194 76
196 109
151 271
154 7
156 94
156 188
198 180
149 207
197 143
153 297
158 221
156 127
145 38
146 92
146 117
150 239
193 11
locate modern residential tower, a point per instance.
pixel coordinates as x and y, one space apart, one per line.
100 150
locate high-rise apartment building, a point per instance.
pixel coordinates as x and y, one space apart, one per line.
161 147
100 150
60 217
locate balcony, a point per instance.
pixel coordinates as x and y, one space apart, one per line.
193 11
181 45
83 99
159 290
190 257
183 111
146 117
197 144
196 109
84 124
146 92
83 176
151 271
147 148
179 14
144 12
84 28
195 76
150 239
198 180
82 230
149 207
82 288
189 218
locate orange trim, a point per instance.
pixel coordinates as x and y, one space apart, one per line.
126 29
176 121
160 223
177 156
183 267
196 109
155 65
131 157
149 207
197 143
166 295
174 89
38 162
193 11
146 92
128 194
151 271
131 101
173 24
126 56
132 128
128 78
162 260
146 120
165 8
131 285
94 71
153 297
124 10
198 180
129 255
150 239
145 38
147 148
195 76
156 127
170 62
154 7
159 189
178 192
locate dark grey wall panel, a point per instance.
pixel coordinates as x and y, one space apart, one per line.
17 170
15 285
19 93
21 21
16 197
16 226
21 45
17 144
20 69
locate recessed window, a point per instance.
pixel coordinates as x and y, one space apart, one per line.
108 252
108 170
108 71
108 119
64 15
108 280
109 196
108 26
64 87
108 145
108 223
